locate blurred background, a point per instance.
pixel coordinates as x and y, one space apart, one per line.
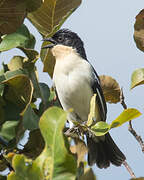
107 27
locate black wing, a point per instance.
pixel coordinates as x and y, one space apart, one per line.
96 86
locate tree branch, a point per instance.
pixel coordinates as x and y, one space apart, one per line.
129 169
130 128
138 138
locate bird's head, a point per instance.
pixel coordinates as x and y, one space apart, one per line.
67 38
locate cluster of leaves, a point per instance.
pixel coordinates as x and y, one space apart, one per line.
138 75
46 155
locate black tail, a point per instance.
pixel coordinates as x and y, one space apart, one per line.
104 152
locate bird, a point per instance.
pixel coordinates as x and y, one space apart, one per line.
76 81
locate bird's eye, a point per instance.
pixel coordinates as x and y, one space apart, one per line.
60 38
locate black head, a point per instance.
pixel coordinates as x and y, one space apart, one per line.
67 38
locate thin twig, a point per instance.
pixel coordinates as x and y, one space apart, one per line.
130 128
138 138
122 99
129 169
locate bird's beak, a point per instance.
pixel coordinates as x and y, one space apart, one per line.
50 45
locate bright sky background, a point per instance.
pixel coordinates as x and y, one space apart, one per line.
106 27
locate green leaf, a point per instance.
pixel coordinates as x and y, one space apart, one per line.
35 144
125 116
25 169
19 90
100 128
16 63
52 20
48 60
8 130
30 119
33 5
3 177
20 38
55 160
32 55
51 15
45 91
88 175
11 74
33 75
2 117
11 111
45 94
137 78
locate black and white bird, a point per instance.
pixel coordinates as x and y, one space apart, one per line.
76 82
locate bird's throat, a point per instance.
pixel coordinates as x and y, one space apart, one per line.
61 51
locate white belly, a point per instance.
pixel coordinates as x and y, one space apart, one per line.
74 92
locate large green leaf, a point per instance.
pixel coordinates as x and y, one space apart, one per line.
50 16
35 144
25 169
137 78
11 126
8 130
139 31
19 90
30 119
48 19
55 160
26 65
11 111
20 38
125 116
101 128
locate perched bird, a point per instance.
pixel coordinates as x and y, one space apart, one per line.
76 82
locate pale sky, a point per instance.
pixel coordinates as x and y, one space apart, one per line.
106 27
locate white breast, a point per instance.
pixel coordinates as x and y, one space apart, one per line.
72 76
